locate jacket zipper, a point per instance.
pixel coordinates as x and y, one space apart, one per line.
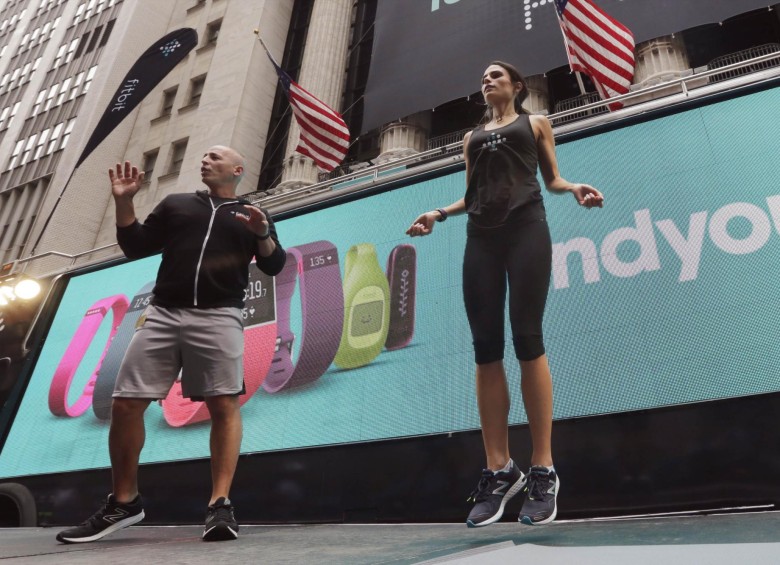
205 242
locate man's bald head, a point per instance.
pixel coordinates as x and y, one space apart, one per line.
221 166
228 152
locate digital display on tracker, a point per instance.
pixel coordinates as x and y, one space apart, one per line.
259 298
367 318
318 260
140 301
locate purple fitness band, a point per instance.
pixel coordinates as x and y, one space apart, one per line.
316 265
402 278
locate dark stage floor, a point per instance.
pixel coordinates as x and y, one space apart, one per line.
728 539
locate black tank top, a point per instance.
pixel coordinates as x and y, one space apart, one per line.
503 187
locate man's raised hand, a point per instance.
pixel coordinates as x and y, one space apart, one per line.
125 183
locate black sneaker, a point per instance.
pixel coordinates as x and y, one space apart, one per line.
221 525
540 506
493 491
112 517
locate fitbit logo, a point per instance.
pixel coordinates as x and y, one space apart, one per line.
755 229
242 214
170 47
127 91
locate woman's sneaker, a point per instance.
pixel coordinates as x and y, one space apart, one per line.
493 491
540 506
221 524
111 517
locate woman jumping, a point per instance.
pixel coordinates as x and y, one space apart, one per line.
508 244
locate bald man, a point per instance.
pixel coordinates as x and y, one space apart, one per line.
193 325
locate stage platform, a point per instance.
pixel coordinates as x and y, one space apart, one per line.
712 540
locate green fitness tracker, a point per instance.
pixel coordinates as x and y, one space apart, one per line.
366 308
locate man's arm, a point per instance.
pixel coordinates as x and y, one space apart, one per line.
270 254
135 239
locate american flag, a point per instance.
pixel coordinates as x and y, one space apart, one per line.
598 45
324 135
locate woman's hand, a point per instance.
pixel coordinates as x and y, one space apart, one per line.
423 225
587 196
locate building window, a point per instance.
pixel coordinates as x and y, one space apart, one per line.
94 40
212 32
15 155
74 91
88 80
107 33
41 145
177 156
55 135
196 89
68 130
169 97
82 44
28 149
63 91
150 160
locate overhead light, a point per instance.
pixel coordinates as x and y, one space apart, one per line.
27 289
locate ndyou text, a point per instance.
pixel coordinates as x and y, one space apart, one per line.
685 241
127 91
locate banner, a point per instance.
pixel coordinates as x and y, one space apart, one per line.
667 295
427 52
147 72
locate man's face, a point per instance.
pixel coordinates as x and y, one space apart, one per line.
219 166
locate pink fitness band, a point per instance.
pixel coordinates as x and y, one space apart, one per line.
77 348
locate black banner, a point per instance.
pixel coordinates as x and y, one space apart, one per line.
427 52
145 74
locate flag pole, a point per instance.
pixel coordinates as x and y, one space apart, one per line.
265 47
568 55
579 82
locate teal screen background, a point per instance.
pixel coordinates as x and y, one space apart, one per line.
671 296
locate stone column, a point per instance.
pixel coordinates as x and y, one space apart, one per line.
660 60
322 74
538 94
404 137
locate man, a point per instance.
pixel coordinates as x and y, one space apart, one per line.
207 239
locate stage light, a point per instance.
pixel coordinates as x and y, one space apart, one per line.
6 295
27 289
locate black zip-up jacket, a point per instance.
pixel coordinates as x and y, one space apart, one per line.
206 251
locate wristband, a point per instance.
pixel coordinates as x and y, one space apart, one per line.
259 319
79 344
316 266
443 214
402 278
264 237
106 377
366 308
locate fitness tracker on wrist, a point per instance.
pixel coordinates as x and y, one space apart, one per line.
366 308
109 369
402 278
316 267
69 364
259 319
442 214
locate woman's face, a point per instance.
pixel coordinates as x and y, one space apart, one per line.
497 85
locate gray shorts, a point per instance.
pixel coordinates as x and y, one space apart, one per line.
206 345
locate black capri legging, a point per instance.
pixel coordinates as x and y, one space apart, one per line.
521 254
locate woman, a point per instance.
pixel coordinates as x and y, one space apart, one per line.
508 241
